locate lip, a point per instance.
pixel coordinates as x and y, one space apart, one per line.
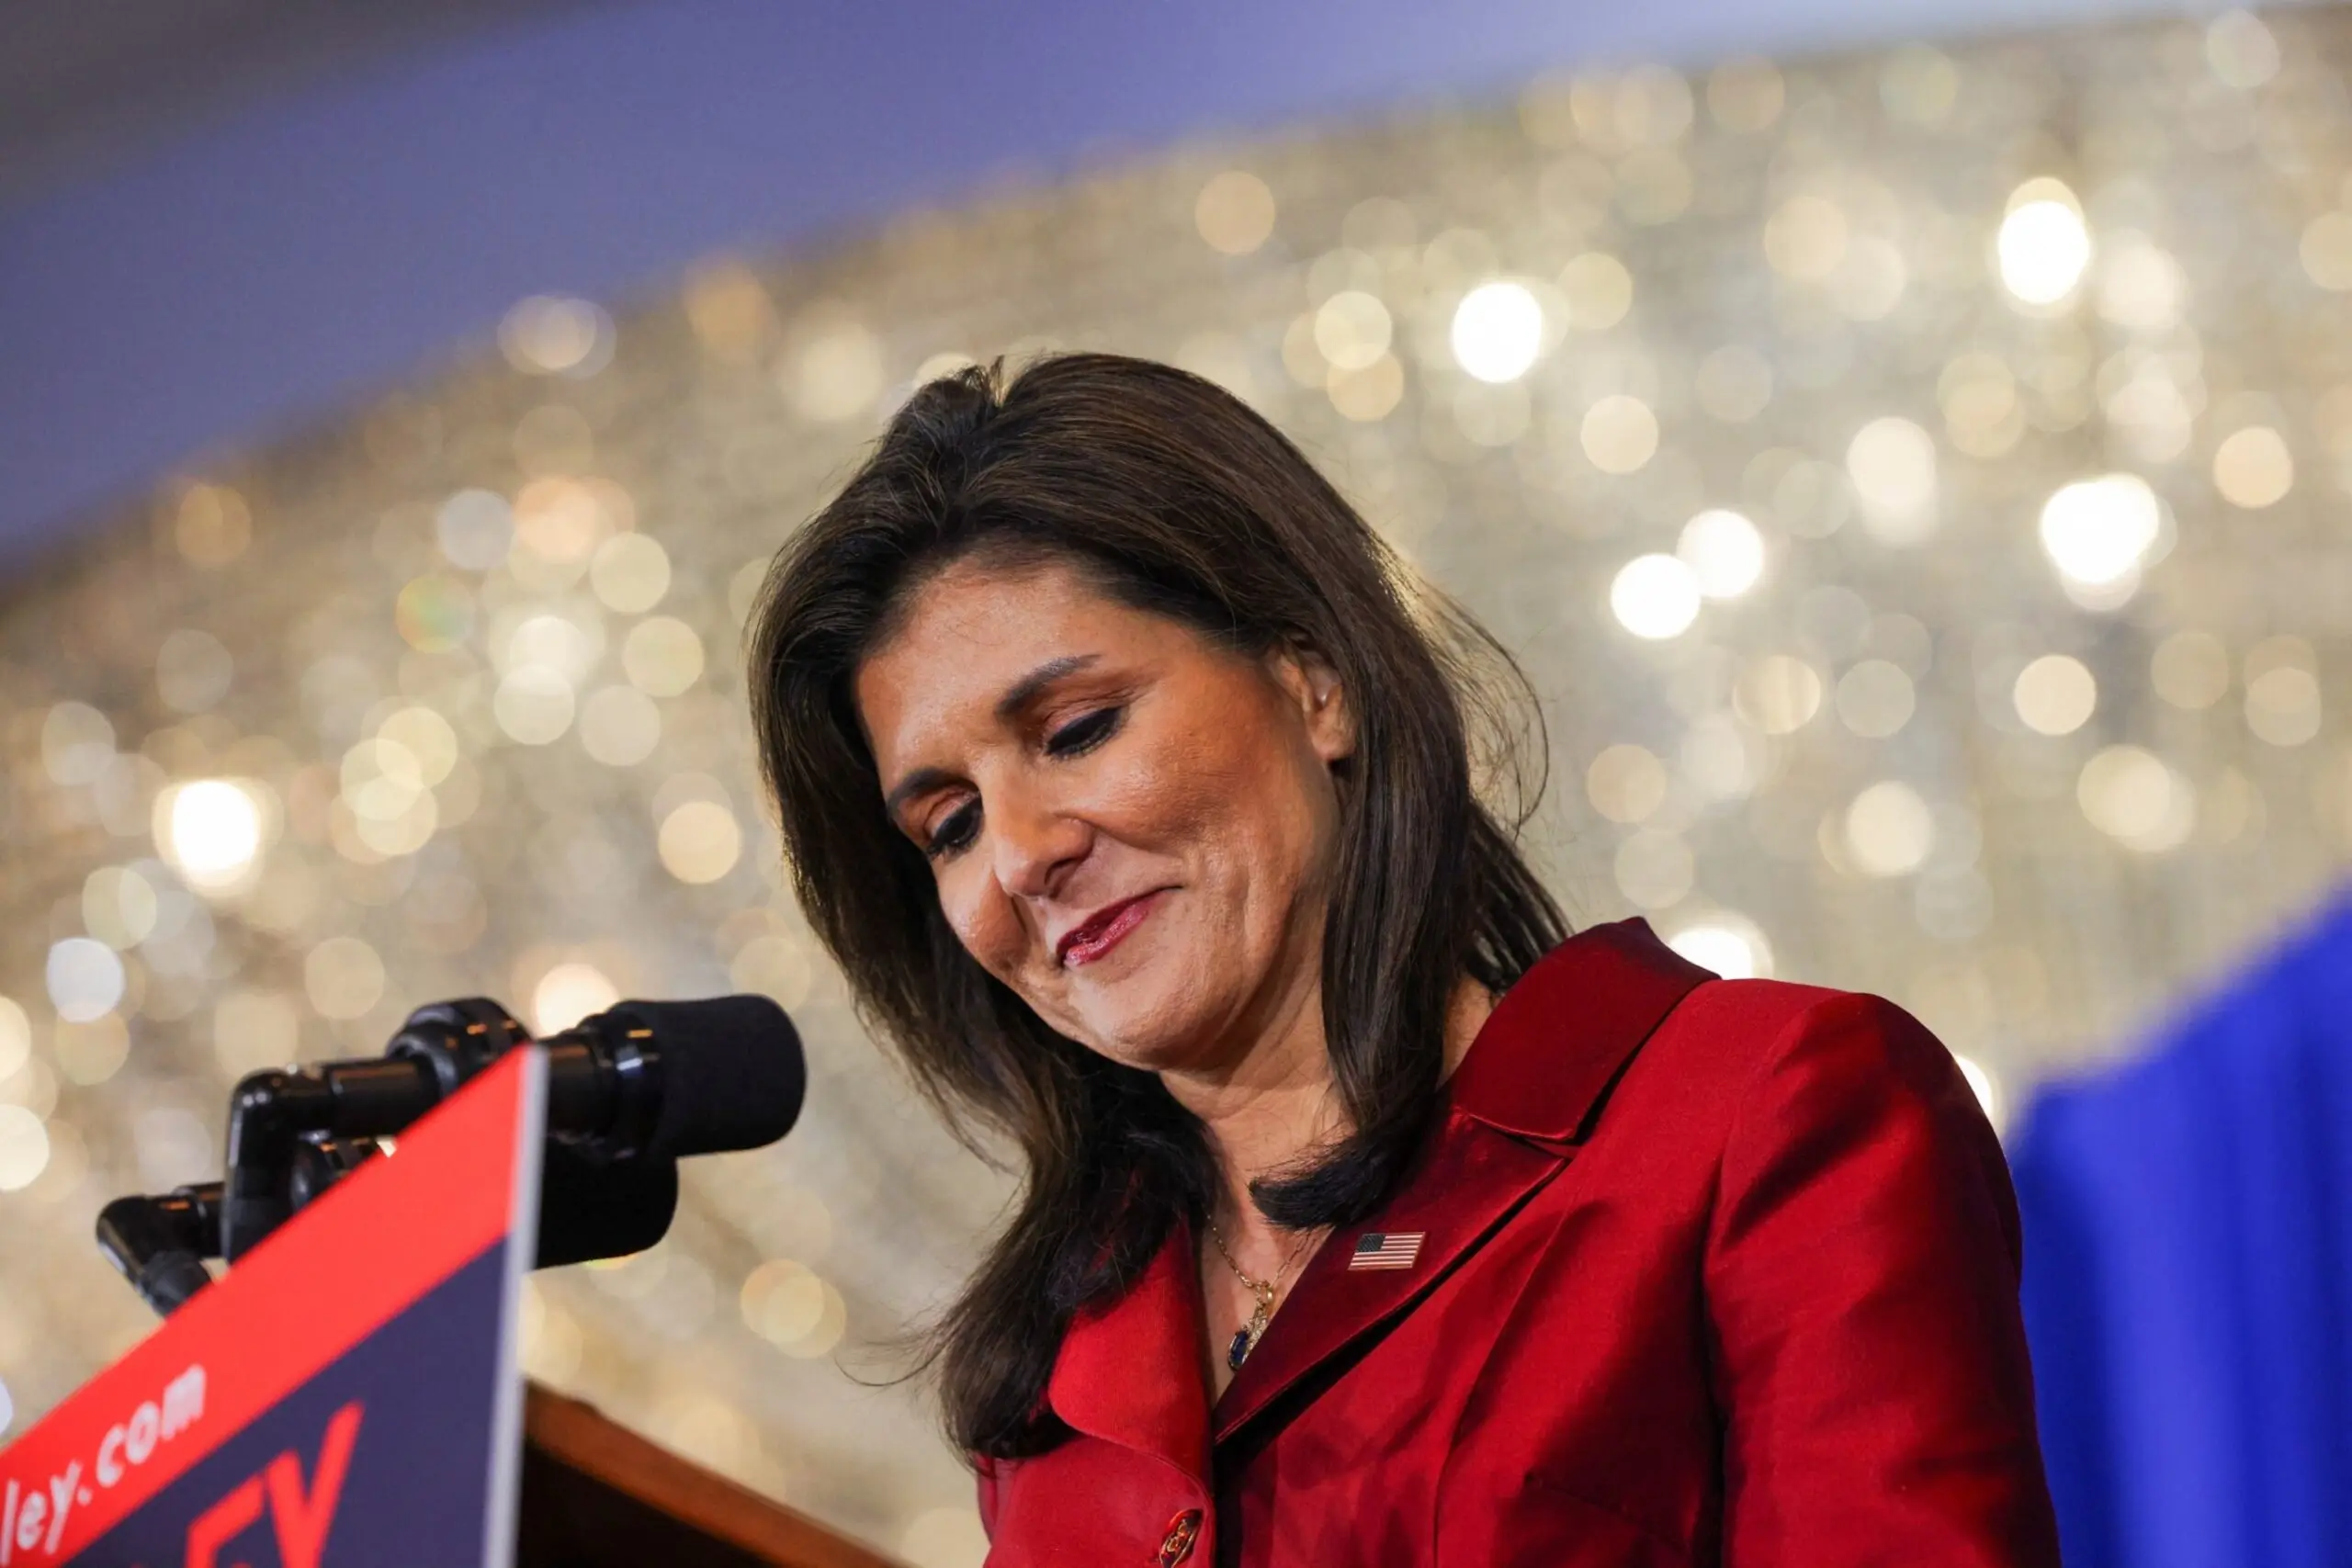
1104 930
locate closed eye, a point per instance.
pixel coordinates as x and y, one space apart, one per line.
955 833
1080 735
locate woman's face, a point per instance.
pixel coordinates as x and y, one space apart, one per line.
1128 826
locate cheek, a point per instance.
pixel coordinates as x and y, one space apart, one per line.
983 920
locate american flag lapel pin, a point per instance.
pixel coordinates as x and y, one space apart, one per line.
1387 1250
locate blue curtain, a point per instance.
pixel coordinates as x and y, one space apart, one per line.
2188 1278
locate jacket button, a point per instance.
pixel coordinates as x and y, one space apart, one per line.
1177 1545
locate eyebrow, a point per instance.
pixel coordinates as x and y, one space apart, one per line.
1017 697
1023 691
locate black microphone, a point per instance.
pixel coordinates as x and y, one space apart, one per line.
640 1081
587 1211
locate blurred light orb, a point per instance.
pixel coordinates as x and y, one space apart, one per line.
427 738
1876 699
15 1037
210 830
1728 944
533 704
788 1304
1720 758
1778 693
381 778
1625 783
2282 706
559 520
343 976
2055 695
85 978
2140 285
1655 597
212 526
1369 394
433 615
2252 468
620 726
1893 465
549 334
2043 246
554 642
2134 795
2099 532
90 1054
2241 50
1889 830
1598 291
24 1148
1619 433
119 906
568 993
475 529
630 572
661 656
699 841
1805 238
403 832
836 369
1352 329
2326 251
1724 551
1235 212
76 743
1498 330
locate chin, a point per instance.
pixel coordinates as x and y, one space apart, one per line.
1155 1033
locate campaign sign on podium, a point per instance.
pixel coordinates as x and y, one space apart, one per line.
348 1396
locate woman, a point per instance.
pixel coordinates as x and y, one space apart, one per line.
1367 1216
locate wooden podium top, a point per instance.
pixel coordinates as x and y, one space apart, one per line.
597 1495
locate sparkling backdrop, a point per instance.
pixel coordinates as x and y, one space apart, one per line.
1915 484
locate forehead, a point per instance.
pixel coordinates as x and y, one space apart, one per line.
972 631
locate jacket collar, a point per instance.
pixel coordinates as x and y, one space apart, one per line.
1129 1369
1127 1373
1537 1072
1557 1040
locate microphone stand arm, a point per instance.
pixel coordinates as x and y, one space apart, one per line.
160 1244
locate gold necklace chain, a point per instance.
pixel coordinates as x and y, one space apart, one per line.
1245 1339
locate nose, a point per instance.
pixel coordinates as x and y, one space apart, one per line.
1035 845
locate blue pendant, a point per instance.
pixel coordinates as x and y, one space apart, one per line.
1239 1351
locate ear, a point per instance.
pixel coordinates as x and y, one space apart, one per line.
1314 686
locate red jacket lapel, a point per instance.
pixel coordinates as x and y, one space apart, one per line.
1128 1371
1535 1073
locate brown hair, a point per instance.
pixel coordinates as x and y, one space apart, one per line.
1177 499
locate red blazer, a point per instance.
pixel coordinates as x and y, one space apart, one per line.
1708 1271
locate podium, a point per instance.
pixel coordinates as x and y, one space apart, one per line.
597 1495
350 1395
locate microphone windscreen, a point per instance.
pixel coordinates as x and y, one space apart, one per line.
589 1210
732 1073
